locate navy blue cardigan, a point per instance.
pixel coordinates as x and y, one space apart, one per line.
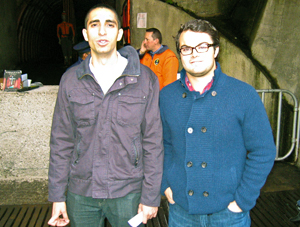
218 146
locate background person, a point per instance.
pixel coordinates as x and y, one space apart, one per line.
159 58
66 36
219 147
83 50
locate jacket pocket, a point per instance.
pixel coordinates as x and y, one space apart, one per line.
83 107
130 110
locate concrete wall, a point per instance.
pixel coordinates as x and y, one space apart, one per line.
209 8
24 148
168 21
276 43
8 24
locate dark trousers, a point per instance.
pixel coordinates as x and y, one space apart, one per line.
86 211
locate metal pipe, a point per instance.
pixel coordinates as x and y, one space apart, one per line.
296 122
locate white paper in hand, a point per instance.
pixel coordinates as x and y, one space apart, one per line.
136 220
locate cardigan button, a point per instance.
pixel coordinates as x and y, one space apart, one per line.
203 165
191 192
204 129
189 164
184 95
213 93
205 194
190 130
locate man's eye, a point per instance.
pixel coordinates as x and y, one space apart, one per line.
111 25
185 49
94 25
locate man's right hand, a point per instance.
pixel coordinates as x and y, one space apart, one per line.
143 48
169 195
59 208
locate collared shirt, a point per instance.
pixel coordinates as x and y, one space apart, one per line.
190 86
153 53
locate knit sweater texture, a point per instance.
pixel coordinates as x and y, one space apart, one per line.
218 146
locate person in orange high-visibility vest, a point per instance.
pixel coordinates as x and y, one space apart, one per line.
66 35
159 58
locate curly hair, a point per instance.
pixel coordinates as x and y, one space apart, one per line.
198 25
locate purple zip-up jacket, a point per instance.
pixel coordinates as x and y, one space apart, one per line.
106 146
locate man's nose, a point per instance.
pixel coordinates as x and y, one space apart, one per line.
102 30
194 52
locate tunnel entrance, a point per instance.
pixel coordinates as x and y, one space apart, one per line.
40 54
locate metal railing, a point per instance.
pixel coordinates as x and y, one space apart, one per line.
296 118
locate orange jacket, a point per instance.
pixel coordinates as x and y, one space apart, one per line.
63 29
164 64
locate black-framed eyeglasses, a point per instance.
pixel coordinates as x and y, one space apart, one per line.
200 48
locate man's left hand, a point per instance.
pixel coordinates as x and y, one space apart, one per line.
233 207
148 212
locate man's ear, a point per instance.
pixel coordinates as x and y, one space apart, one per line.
84 33
120 34
217 49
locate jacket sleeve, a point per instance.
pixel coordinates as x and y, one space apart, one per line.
152 147
61 147
140 55
170 70
259 143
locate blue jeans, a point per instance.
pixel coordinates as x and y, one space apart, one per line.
86 211
178 217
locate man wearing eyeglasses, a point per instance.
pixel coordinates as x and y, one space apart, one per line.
219 147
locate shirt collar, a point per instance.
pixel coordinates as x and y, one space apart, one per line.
190 86
152 53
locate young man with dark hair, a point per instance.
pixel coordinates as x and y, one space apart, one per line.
106 139
159 58
219 147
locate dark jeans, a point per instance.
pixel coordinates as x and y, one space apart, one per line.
178 217
89 212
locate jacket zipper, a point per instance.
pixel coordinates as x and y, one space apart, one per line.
77 151
136 162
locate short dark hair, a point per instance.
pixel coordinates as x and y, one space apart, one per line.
103 6
155 34
199 25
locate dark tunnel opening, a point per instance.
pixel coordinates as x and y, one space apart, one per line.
40 54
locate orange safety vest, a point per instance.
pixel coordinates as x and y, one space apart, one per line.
63 29
165 65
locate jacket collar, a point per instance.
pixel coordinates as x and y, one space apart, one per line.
162 49
133 67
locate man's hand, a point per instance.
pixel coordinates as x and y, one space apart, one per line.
233 207
143 48
59 208
169 195
148 212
